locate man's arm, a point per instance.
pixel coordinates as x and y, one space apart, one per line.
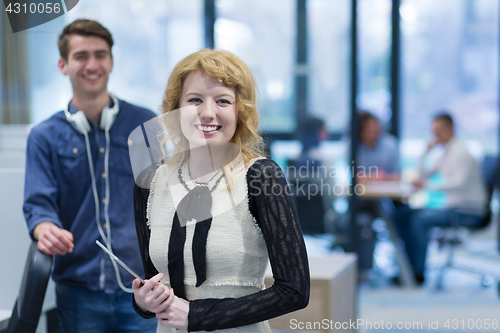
426 174
40 199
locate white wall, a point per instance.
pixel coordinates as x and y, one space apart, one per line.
14 239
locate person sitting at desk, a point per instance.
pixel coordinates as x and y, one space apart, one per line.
378 160
376 152
464 189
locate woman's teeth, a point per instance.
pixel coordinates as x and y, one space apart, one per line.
207 128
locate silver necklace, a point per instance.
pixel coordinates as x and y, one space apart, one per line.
218 174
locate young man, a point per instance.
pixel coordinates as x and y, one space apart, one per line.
378 160
78 189
378 153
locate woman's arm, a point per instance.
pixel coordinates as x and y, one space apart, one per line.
273 208
143 233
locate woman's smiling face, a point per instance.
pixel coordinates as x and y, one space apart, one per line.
214 118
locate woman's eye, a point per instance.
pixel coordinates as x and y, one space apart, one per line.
194 100
223 101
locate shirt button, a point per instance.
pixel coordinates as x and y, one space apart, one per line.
129 142
101 149
104 201
75 150
105 225
103 175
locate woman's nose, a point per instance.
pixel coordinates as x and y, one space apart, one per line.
207 111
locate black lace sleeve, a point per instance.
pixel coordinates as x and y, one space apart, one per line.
143 233
273 208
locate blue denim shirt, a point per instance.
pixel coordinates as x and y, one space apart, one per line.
58 189
383 156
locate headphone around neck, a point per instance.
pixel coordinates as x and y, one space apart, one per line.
81 124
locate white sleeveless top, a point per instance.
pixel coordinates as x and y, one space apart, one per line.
236 253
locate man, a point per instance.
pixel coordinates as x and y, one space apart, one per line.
378 154
466 196
78 189
378 160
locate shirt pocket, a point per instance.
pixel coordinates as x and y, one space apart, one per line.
73 160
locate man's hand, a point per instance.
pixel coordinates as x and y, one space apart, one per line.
152 296
418 183
52 239
433 144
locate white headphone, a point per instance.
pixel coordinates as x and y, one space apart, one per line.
80 122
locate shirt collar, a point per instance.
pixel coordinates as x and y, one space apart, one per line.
72 108
450 143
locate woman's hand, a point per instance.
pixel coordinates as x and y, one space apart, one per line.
176 314
152 296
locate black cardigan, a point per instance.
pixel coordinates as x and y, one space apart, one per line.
274 211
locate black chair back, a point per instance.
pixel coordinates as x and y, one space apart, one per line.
490 171
29 303
309 204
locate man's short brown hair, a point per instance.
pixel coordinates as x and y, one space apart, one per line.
445 118
82 27
364 118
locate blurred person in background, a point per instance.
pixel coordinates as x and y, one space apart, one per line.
378 153
463 185
378 160
310 179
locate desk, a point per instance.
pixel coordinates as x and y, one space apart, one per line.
333 294
383 192
387 189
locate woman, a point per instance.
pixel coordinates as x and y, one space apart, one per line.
215 215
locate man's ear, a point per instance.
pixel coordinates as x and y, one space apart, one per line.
61 64
112 64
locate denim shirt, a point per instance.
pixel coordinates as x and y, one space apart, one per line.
58 189
383 156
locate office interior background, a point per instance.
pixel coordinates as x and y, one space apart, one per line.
403 60
413 58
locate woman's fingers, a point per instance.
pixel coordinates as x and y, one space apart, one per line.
151 294
136 284
170 298
176 314
165 300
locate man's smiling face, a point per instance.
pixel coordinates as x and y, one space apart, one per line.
88 65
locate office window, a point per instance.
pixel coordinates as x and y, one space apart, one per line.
329 61
262 33
150 38
374 51
450 61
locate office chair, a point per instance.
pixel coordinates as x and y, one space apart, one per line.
28 306
452 237
310 206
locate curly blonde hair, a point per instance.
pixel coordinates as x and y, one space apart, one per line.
228 68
